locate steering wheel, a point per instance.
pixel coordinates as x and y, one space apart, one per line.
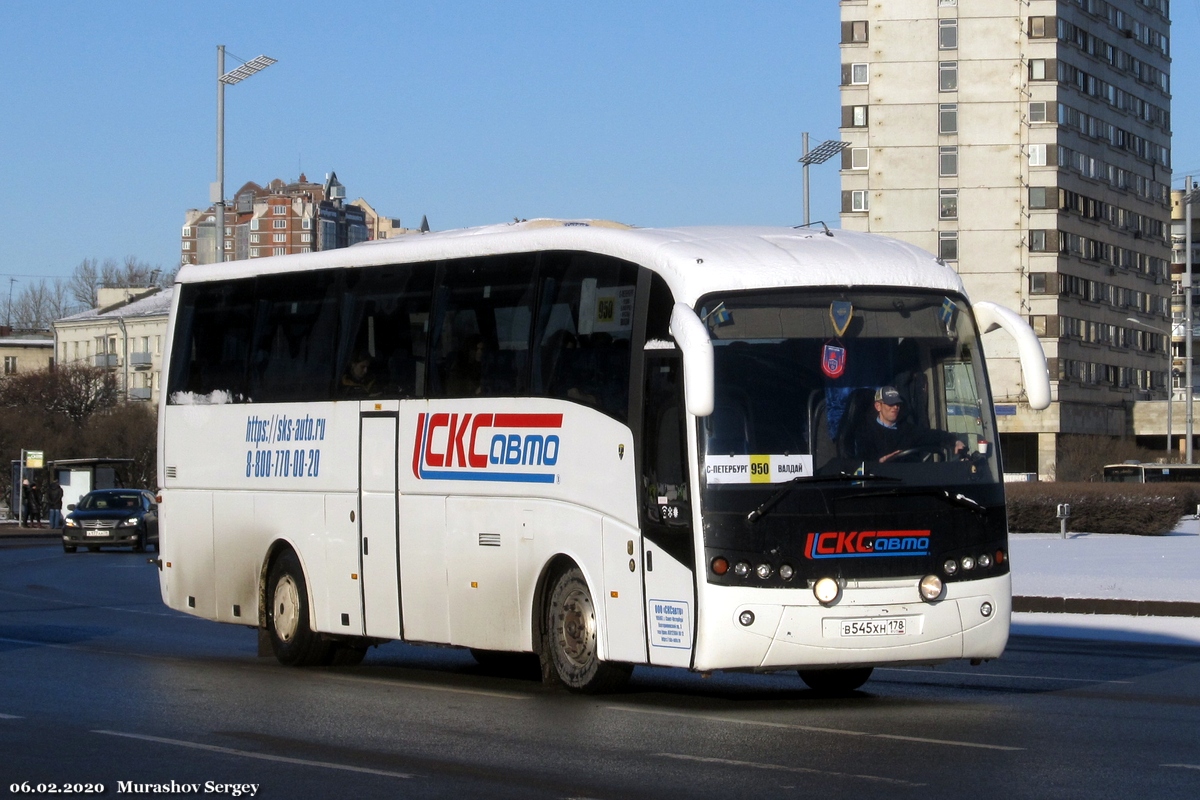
926 451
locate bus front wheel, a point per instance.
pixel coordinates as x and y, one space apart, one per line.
569 647
835 681
293 641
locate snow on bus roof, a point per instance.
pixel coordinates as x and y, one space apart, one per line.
694 261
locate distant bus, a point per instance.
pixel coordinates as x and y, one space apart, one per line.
599 444
1152 473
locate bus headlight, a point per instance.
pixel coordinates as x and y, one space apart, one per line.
741 569
968 563
763 571
950 567
827 591
930 587
786 572
985 561
985 610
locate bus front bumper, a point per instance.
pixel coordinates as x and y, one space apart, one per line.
866 626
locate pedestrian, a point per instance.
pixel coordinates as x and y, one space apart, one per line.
54 496
35 505
26 502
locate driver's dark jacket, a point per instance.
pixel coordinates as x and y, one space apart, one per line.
874 440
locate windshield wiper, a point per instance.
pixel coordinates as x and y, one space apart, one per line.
840 477
954 499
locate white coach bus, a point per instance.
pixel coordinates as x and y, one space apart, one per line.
604 445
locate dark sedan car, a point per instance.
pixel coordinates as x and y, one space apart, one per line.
112 517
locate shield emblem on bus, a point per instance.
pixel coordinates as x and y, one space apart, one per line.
833 360
840 314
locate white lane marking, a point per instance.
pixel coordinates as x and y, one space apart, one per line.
780 768
1182 766
814 729
10 716
416 685
260 756
993 675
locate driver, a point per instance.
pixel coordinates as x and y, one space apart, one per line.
887 436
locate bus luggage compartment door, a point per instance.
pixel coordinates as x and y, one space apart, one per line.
378 524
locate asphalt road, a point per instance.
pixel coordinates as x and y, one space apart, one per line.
101 684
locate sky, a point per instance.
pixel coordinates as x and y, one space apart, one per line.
676 112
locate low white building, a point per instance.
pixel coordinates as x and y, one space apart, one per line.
124 335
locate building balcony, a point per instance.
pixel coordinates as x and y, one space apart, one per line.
139 393
141 360
106 360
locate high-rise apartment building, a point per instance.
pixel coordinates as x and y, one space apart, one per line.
1027 142
281 219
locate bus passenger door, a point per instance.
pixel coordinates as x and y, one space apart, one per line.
379 523
666 515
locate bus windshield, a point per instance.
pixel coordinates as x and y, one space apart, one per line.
817 384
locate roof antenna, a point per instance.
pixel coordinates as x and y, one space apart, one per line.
810 224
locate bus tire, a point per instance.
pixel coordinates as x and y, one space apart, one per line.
569 647
292 640
835 681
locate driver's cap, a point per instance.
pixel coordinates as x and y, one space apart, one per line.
888 396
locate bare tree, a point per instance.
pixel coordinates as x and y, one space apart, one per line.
31 310
59 300
84 283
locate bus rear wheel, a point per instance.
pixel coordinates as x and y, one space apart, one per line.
570 655
835 681
293 641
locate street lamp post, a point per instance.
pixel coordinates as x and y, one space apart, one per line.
1170 373
823 152
217 193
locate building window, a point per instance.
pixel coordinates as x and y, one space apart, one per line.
1037 69
948 245
10 365
279 211
254 238
1037 155
859 157
1038 283
254 252
1037 112
1037 27
187 245
279 223
948 76
859 74
854 31
253 224
279 251
854 116
948 204
306 223
279 238
948 118
947 34
1043 197
228 245
306 237
855 200
187 231
948 161
1043 241
305 249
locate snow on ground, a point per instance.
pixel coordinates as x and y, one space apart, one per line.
1116 566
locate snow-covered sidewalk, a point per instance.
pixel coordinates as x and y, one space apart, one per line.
1109 567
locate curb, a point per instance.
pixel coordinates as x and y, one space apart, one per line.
1127 608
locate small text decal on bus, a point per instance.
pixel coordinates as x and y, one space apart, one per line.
857 544
487 447
275 454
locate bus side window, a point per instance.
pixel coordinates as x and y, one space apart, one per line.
213 331
481 328
385 318
295 327
584 328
